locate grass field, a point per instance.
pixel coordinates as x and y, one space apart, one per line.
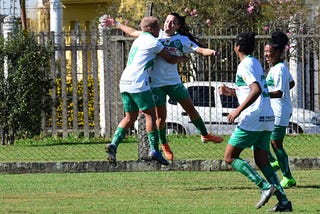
144 192
148 192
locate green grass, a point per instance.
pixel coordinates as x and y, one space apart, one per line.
144 192
147 192
184 147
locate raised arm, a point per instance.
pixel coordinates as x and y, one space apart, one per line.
206 51
111 22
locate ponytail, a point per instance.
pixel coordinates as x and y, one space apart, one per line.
185 29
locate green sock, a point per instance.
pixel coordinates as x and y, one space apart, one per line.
153 140
272 177
246 169
283 162
118 136
271 157
201 127
162 133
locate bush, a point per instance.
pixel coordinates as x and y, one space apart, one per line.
25 90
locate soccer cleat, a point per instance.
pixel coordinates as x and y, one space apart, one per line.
211 137
288 182
265 196
111 152
167 151
275 165
282 208
154 155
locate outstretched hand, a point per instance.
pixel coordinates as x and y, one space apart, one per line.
107 21
217 54
224 90
214 53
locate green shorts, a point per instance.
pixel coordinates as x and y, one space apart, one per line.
278 132
175 92
137 101
254 139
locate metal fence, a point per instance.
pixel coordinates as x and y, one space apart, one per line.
97 60
87 66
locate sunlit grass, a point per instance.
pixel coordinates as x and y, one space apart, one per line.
147 192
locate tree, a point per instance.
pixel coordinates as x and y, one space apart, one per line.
257 15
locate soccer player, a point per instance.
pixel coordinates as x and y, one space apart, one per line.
256 123
135 88
279 81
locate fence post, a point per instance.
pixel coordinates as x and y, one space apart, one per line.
8 27
149 8
295 65
143 144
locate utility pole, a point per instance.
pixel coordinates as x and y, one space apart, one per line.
23 15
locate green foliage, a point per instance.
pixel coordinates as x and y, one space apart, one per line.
292 16
218 13
24 91
210 15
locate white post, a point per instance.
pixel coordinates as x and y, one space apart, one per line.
102 78
295 67
315 54
316 77
296 72
8 27
56 21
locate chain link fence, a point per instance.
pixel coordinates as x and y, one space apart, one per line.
85 71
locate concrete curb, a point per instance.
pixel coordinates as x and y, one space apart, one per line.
135 166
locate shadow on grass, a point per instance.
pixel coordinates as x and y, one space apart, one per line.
307 187
221 188
247 188
62 144
66 143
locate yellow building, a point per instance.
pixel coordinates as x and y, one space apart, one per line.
83 14
79 15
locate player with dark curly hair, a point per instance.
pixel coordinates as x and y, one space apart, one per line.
279 81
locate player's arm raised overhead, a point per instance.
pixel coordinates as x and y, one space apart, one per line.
111 22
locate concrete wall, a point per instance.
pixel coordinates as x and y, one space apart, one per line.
136 166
